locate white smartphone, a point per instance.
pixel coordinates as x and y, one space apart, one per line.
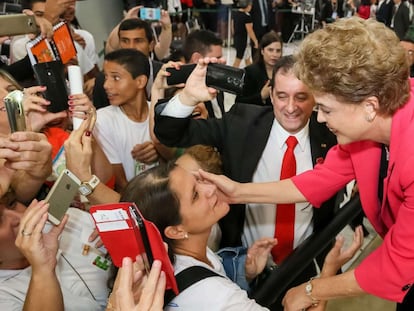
61 195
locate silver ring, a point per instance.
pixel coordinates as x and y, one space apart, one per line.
26 233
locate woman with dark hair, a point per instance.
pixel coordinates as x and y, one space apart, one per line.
256 88
184 209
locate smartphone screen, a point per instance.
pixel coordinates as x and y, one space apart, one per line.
150 14
61 196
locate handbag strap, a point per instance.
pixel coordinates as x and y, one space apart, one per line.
186 278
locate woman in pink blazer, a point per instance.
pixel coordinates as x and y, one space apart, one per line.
360 79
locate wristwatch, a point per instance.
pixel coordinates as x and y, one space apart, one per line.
87 187
308 290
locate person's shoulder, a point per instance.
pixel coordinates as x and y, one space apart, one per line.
249 111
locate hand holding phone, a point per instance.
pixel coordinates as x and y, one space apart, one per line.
221 77
125 233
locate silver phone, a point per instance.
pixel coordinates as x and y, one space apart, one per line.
61 195
15 112
17 24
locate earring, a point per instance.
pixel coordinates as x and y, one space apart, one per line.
186 235
369 119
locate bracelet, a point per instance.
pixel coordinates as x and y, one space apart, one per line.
308 289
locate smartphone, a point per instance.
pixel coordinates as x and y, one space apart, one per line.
147 255
61 195
15 113
181 75
17 24
225 78
52 75
150 14
221 77
125 233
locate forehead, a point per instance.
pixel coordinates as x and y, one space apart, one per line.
133 34
188 163
288 82
5 84
215 51
407 45
113 67
181 180
274 45
38 6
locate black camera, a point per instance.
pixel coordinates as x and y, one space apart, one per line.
221 77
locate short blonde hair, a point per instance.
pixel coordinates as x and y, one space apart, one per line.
353 59
9 78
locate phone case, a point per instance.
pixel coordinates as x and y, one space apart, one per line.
17 24
61 195
225 78
51 74
125 233
15 113
181 75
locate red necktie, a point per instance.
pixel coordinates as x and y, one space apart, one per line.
285 213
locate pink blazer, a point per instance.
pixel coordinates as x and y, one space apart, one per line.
388 272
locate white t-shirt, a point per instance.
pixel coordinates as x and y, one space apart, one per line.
14 283
212 293
117 135
90 49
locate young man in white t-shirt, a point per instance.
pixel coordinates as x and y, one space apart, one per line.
122 129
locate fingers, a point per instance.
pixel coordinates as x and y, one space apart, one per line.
124 295
152 291
32 223
94 236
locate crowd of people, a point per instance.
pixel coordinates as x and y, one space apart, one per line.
233 187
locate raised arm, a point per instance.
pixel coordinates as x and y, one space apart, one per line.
40 249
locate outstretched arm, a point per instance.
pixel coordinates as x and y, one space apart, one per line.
283 191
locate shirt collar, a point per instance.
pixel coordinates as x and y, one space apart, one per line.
301 136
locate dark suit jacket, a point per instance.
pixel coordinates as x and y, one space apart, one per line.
254 80
99 95
401 20
384 13
240 137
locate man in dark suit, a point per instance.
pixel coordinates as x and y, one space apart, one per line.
384 11
251 140
401 18
135 34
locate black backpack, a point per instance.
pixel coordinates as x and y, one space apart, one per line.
188 277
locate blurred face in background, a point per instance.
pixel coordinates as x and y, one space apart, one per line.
271 53
135 39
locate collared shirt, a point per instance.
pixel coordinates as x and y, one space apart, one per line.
260 218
